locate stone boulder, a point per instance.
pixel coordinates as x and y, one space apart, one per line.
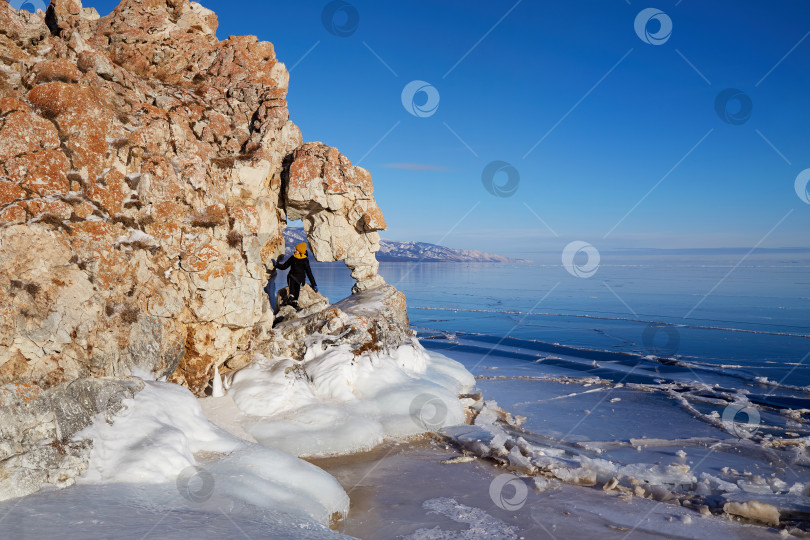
309 302
37 428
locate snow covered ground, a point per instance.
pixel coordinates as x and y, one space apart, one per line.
163 467
334 403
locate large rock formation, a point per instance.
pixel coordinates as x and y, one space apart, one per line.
147 171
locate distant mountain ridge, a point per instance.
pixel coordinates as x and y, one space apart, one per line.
393 251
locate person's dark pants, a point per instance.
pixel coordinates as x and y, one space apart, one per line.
295 290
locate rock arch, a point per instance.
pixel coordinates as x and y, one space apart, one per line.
335 201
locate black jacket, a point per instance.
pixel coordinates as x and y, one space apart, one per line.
299 268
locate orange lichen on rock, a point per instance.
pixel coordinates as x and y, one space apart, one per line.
24 133
10 192
83 120
198 261
109 191
26 392
246 219
44 173
152 167
58 70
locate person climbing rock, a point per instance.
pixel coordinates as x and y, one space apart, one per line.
299 271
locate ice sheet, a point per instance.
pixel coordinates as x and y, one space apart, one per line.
666 436
399 490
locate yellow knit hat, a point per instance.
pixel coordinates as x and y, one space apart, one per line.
300 251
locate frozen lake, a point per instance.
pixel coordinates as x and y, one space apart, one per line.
658 364
751 320
693 360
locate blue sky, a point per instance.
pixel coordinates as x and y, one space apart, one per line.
626 127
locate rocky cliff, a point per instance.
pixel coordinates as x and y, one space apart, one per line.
147 171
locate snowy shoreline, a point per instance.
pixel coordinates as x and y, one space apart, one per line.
333 403
171 454
288 442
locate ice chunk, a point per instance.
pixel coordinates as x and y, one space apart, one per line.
481 524
754 510
157 438
218 391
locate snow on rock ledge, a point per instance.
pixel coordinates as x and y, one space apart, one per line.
335 402
37 426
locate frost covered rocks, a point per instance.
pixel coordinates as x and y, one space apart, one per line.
372 321
337 402
37 428
147 171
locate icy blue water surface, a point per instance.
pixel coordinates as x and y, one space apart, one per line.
752 319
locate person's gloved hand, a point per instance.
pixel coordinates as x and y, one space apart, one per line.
315 288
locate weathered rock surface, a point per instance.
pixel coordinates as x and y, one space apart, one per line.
309 302
371 320
37 429
336 203
147 171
